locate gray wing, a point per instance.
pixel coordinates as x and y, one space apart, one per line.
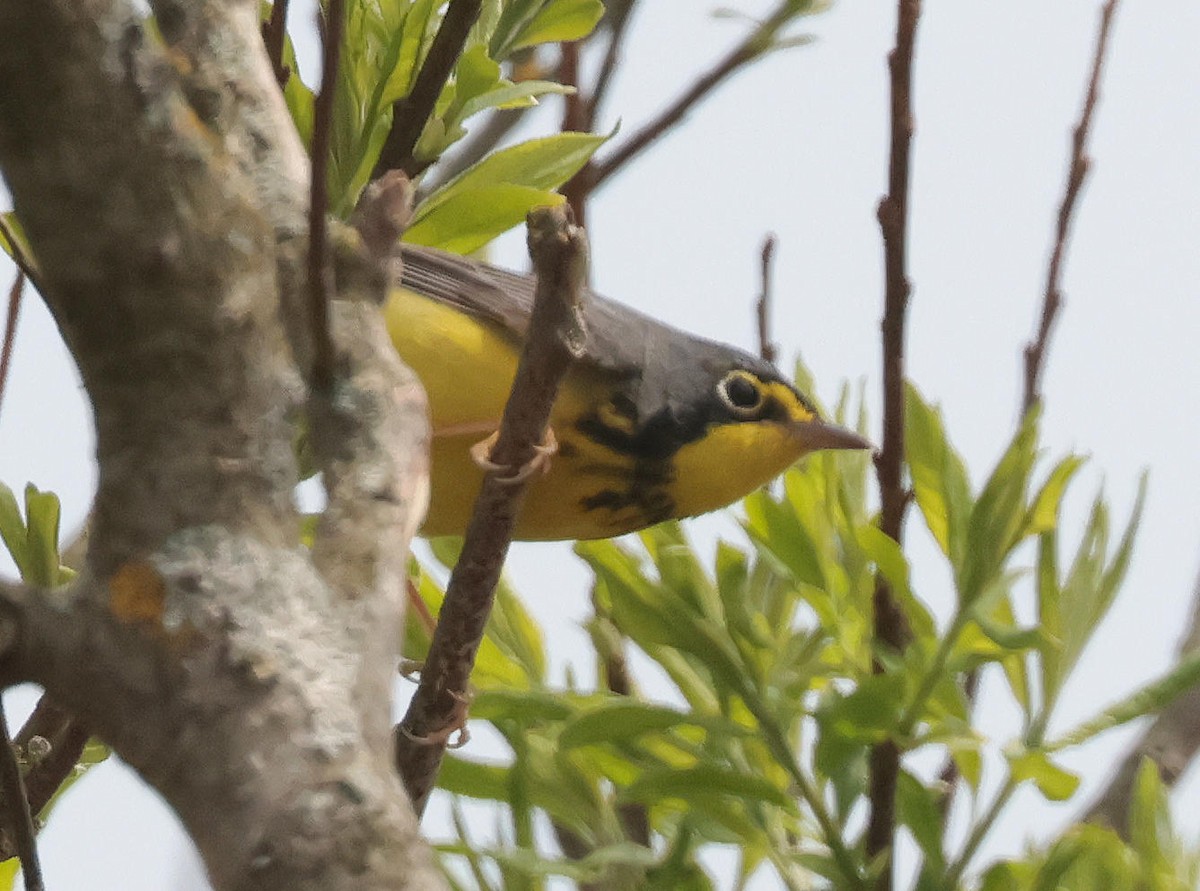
620 339
663 369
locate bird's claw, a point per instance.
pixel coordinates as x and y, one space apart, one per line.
457 724
481 454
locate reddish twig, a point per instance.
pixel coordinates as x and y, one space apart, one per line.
766 349
616 20
555 339
16 810
320 270
890 627
410 114
10 329
274 31
577 118
1035 352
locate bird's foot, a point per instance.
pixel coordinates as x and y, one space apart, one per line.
481 454
457 724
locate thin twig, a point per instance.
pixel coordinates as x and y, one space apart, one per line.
576 119
766 349
410 114
753 46
890 627
1035 352
10 329
555 340
320 270
616 19
64 736
16 809
274 31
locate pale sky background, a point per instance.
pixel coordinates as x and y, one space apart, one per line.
797 146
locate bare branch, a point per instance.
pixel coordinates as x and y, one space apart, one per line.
617 14
766 349
410 114
1035 352
555 339
16 809
891 627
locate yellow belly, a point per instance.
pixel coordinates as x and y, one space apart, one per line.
467 368
590 491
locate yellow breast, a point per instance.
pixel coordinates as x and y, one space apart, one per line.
591 491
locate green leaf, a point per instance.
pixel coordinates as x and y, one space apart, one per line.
1150 698
917 808
472 218
18 234
1043 512
544 164
33 541
892 563
996 520
42 515
1054 782
1071 612
939 478
12 531
623 720
696 784
525 708
561 21
510 95
473 779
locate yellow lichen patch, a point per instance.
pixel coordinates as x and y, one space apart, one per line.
136 593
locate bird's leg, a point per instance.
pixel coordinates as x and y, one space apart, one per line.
540 462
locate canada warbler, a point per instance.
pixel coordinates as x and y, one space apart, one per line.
651 423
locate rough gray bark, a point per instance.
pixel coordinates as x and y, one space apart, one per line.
246 678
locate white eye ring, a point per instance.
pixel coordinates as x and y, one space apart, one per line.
741 393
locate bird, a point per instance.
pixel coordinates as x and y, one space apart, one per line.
650 423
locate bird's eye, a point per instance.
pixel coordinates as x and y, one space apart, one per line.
740 393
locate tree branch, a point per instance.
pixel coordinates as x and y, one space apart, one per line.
891 627
410 114
16 808
617 14
556 337
1035 351
239 674
1171 742
762 310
